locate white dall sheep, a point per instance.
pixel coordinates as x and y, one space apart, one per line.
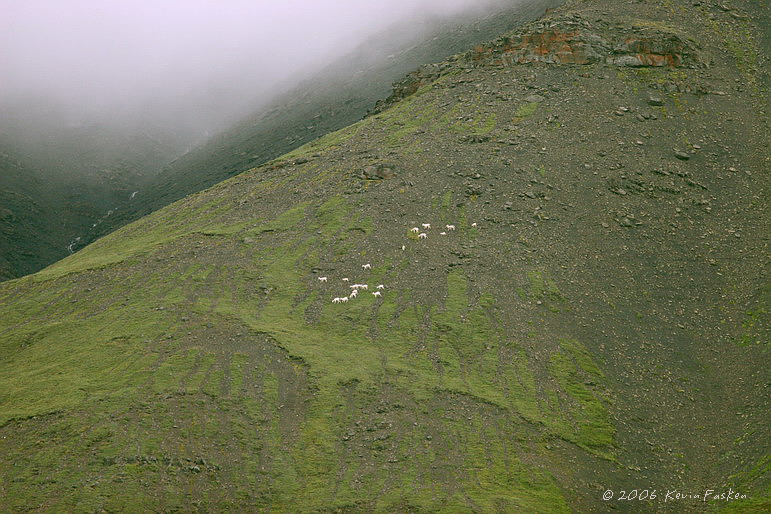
380 286
404 247
322 279
415 230
450 227
344 299
473 224
345 280
364 286
376 294
336 300
354 294
442 233
426 225
422 235
366 266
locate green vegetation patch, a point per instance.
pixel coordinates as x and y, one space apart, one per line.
756 319
324 143
407 117
543 288
525 111
579 377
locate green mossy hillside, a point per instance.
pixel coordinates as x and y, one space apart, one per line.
596 319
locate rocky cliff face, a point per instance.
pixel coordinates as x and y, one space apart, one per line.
570 39
573 40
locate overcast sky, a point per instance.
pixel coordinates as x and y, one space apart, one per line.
112 55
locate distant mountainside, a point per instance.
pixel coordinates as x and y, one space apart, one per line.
563 234
21 213
57 182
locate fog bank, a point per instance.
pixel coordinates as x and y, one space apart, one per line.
190 66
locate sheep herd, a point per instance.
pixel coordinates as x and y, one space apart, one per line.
355 288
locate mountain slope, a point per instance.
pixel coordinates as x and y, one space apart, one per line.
596 321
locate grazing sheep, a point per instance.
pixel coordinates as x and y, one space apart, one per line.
404 247
336 300
322 279
366 266
376 294
473 224
422 235
344 299
380 286
354 294
355 286
450 227
426 225
345 280
415 230
442 233
364 286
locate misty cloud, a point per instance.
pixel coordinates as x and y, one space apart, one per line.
198 59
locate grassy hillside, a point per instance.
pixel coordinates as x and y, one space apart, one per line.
598 319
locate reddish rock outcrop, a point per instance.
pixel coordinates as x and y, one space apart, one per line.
574 41
566 40
551 46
